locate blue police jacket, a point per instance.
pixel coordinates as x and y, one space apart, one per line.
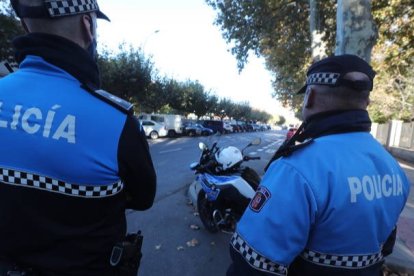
70 163
329 207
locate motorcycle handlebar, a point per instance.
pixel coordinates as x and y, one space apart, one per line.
247 158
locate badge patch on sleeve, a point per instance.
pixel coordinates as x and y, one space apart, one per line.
260 199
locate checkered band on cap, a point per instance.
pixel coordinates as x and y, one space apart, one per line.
28 180
255 259
338 261
58 8
324 78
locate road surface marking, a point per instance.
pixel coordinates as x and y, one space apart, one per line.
172 150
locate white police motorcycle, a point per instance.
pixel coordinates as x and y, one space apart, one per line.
223 187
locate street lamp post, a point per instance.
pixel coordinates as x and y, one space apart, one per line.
146 40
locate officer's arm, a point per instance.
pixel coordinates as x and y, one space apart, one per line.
275 227
135 166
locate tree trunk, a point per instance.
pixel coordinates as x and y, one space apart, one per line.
317 33
356 32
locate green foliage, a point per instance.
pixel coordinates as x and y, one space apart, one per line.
9 29
156 96
197 98
393 58
280 120
131 75
378 116
127 74
241 111
279 31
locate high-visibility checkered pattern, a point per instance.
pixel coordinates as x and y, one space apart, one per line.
29 180
58 8
323 78
255 259
356 261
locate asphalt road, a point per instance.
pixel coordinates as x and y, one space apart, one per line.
171 247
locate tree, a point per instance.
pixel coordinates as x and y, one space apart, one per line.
177 96
356 32
279 31
317 31
156 96
127 74
198 99
393 59
280 120
242 111
224 108
9 29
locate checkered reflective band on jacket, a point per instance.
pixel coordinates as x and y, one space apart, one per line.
254 258
349 262
58 8
24 179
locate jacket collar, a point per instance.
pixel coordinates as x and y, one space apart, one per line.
60 52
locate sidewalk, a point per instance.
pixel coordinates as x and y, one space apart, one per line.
402 259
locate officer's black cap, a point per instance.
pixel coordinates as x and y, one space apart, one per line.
58 8
331 71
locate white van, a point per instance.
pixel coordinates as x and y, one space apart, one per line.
173 123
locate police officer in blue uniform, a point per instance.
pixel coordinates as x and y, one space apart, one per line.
73 157
331 197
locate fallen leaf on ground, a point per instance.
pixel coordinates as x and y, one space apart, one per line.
192 243
194 227
157 247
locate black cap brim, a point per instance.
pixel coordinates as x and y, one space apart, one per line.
101 15
302 90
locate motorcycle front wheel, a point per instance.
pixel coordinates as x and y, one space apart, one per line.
205 210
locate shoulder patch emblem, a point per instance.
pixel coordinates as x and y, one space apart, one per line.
260 199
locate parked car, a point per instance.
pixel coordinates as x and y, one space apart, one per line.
256 127
192 129
153 129
249 127
237 128
227 127
291 132
173 123
216 126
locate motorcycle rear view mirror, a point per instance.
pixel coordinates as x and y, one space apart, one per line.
202 146
255 142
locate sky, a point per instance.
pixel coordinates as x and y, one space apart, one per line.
184 44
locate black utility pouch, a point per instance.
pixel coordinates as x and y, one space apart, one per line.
126 255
